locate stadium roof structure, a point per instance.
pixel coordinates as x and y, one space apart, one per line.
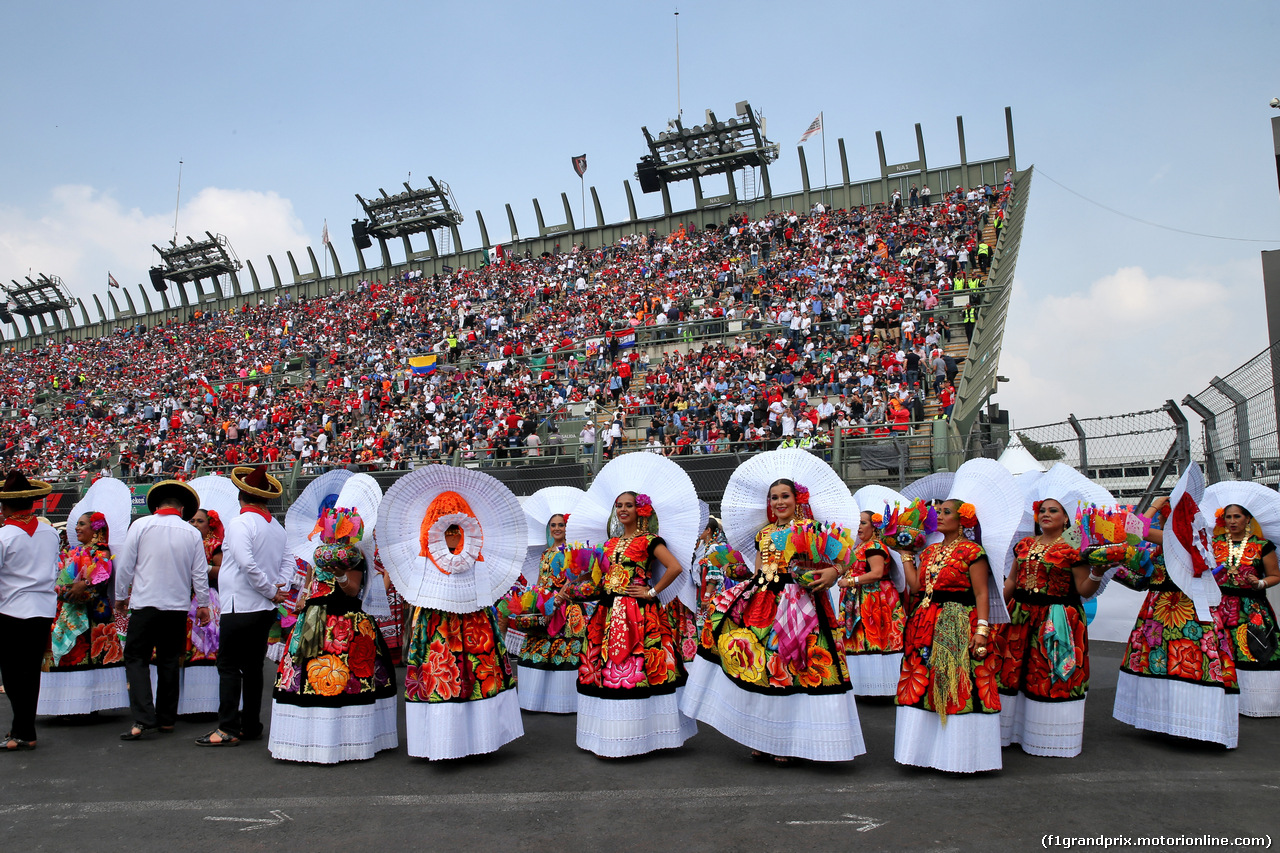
412 211
44 295
194 261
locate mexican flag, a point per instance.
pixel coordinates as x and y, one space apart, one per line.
494 255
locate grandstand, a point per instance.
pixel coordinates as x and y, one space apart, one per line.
706 335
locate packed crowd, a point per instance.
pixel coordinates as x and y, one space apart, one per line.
838 312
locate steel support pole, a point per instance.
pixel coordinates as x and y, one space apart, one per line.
1083 444
1212 465
1244 453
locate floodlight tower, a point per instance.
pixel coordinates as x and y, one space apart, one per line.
403 214
715 147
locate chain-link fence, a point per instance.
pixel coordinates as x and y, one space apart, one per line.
1238 414
1135 455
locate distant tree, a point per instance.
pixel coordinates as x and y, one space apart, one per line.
1041 452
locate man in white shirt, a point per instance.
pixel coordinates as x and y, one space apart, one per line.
255 565
158 566
28 570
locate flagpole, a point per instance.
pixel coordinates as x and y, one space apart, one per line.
325 248
582 182
823 118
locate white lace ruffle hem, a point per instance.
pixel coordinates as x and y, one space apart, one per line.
968 743
551 691
817 727
439 730
1051 729
1178 708
614 728
330 735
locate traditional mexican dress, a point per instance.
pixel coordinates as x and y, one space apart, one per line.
771 672
458 685
83 669
548 667
1177 675
948 701
872 617
630 666
1043 653
198 692
1249 622
335 690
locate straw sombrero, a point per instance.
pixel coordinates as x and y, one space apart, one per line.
167 489
17 487
256 482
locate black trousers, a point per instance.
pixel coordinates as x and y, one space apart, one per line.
242 645
22 646
162 633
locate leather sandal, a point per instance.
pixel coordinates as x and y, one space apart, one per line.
223 739
16 744
138 732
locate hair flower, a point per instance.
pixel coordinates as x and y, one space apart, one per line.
644 506
968 515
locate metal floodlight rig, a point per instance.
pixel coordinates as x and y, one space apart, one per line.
681 153
410 212
194 261
45 295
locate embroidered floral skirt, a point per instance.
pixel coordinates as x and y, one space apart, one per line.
631 650
458 685
90 675
872 618
548 665
1249 623
938 673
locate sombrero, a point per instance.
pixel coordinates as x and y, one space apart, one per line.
256 482
167 489
17 487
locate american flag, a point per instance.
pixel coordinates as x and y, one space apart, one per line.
815 127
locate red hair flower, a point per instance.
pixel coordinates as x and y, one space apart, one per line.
644 506
968 516
802 493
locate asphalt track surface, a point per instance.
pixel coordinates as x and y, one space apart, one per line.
84 789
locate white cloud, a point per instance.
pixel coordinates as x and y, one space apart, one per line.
1128 342
82 233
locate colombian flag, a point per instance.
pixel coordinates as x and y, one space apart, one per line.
423 363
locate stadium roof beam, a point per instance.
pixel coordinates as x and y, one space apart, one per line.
197 260
716 147
412 211
46 294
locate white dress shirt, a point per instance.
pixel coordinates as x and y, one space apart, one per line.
28 571
254 560
161 562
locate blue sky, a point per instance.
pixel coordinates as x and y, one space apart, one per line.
282 111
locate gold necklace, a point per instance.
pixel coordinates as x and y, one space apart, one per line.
1235 552
937 559
619 575
1038 548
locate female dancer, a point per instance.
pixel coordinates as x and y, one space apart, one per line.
335 691
872 614
84 666
770 671
948 697
1178 675
453 541
631 665
1246 569
1044 649
200 662
548 667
